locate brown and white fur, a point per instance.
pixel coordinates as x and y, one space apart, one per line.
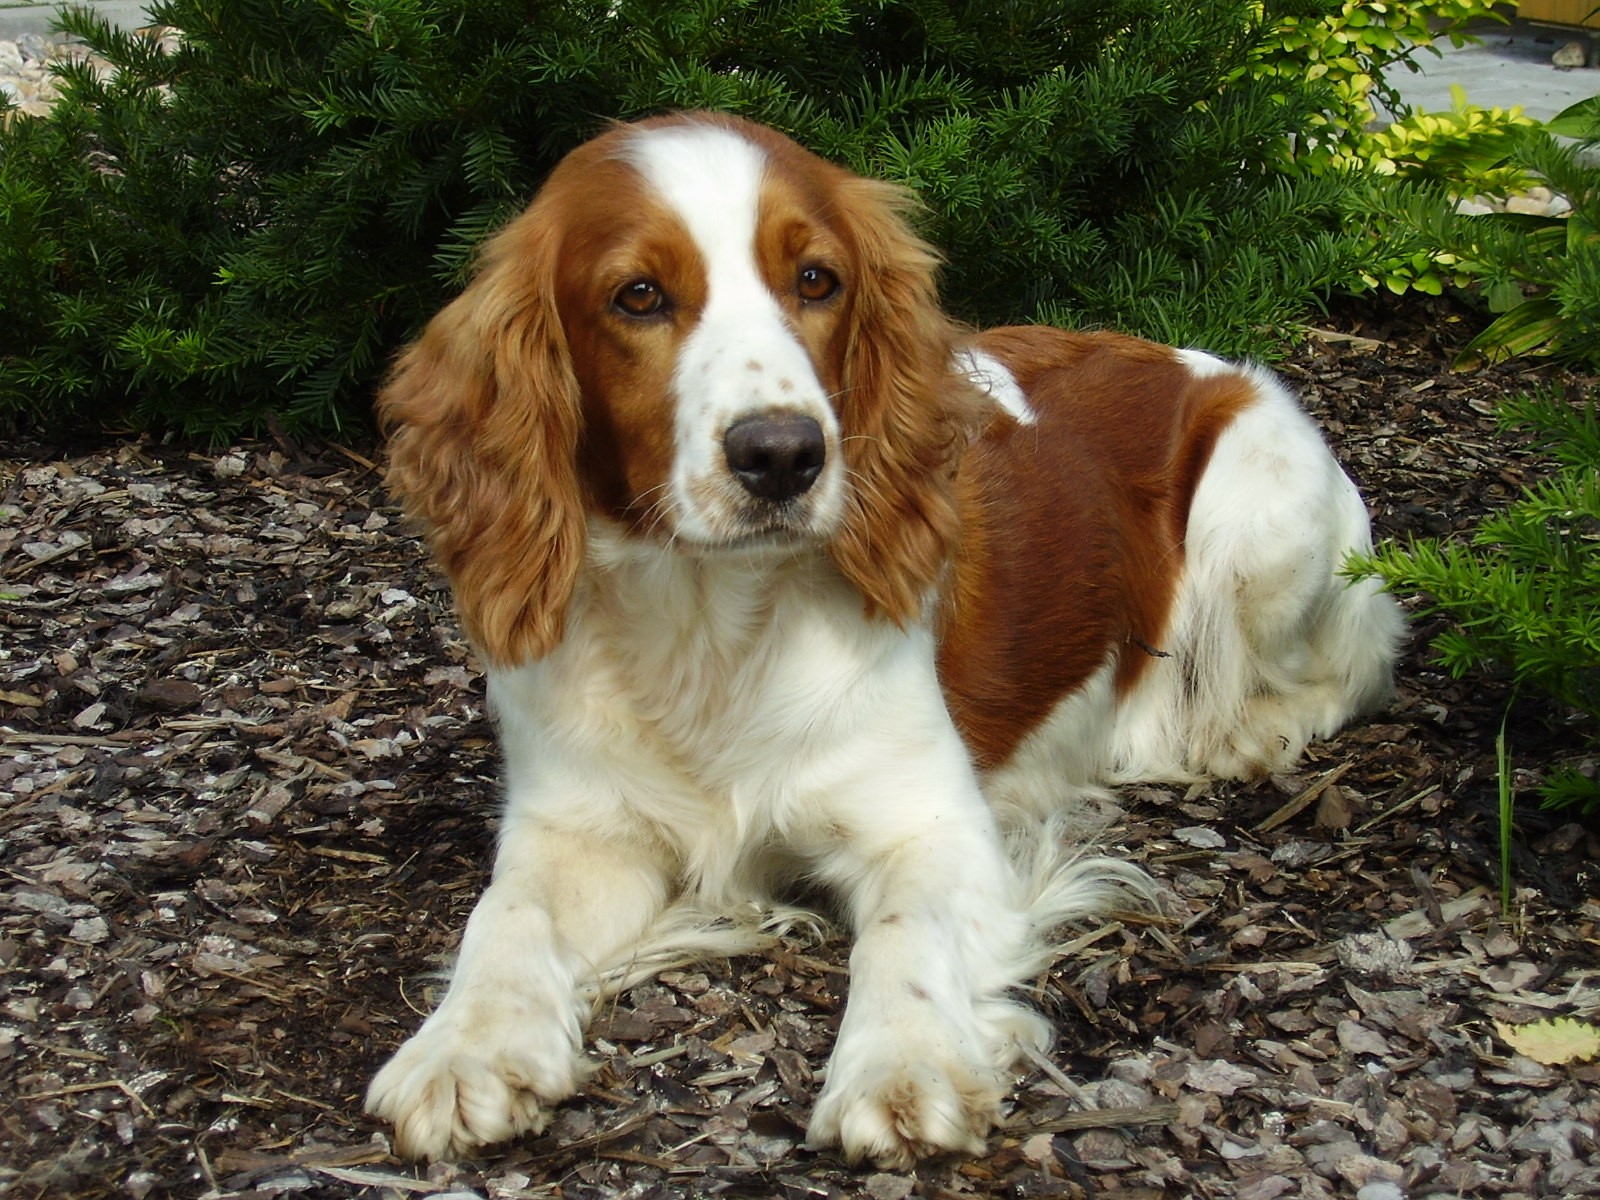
779 574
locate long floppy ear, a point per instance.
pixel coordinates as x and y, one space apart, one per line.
906 412
484 417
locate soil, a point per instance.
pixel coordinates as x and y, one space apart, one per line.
249 798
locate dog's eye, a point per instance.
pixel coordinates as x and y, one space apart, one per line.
816 283
641 298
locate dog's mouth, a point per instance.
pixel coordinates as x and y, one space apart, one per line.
760 526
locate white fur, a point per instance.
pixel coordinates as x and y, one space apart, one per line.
1203 365
719 725
990 374
1063 760
1268 645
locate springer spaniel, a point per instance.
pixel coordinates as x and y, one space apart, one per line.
778 574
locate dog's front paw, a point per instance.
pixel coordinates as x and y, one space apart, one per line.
460 1083
899 1102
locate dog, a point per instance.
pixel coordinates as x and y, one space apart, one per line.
779 574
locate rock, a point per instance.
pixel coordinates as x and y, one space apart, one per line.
1374 954
1219 1077
1573 54
1269 1187
1528 205
889 1187
1200 837
1358 1039
37 48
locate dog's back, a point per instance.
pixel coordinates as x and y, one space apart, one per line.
1149 583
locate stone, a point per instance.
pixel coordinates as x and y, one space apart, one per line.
1573 54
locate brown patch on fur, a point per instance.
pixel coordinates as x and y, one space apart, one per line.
484 415
529 400
906 416
1074 526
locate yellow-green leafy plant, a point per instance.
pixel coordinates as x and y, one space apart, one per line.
1355 49
1467 151
1538 273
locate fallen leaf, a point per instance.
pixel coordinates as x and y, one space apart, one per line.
1333 809
1554 1041
1374 954
171 695
1509 977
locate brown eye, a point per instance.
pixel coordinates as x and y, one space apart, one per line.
641 298
816 283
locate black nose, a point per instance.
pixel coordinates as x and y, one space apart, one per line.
776 456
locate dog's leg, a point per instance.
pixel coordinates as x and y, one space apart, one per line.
504 1043
1268 645
921 1061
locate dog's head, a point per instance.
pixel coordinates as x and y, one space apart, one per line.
706 335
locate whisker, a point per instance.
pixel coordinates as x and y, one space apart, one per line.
658 514
657 510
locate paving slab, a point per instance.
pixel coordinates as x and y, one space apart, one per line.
19 19
1509 65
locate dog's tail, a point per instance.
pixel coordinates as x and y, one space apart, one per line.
1067 884
687 933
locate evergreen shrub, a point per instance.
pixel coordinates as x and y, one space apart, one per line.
238 232
1522 594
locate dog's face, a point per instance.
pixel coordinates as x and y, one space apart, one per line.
704 295
707 336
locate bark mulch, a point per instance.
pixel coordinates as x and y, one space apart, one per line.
248 799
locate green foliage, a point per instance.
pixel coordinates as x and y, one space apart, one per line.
1466 151
1356 48
1523 596
240 231
1541 274
1442 157
1507 811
